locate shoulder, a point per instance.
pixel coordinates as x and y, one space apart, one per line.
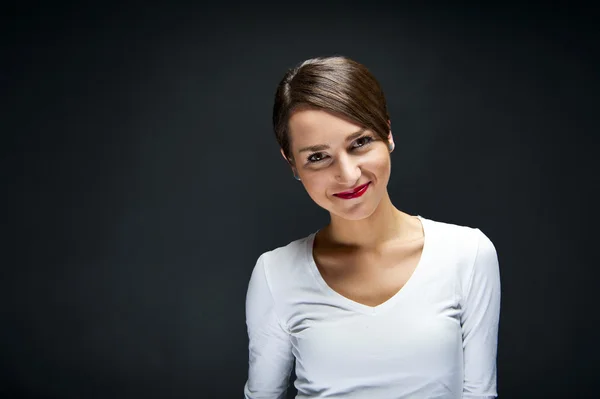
285 253
286 256
279 266
467 248
470 240
453 238
465 245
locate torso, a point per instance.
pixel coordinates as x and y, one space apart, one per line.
370 277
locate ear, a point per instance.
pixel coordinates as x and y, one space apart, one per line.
289 161
390 135
290 164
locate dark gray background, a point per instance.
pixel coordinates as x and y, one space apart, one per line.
141 180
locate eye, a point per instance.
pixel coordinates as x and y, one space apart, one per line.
316 157
362 141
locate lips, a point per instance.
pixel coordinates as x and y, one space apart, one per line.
354 193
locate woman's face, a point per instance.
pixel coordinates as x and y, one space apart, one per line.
334 157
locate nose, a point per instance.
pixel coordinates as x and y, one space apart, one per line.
347 170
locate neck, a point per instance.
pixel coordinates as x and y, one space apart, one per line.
384 224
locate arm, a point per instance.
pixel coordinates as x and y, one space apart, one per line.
479 321
270 349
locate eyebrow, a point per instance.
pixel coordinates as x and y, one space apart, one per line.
321 147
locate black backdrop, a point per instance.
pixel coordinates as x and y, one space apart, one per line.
141 180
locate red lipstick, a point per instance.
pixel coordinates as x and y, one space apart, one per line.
354 193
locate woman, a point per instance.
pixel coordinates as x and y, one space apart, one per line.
378 303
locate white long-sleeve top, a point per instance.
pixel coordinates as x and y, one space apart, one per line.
436 338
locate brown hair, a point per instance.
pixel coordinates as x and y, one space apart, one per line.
335 84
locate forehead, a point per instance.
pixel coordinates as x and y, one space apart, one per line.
313 126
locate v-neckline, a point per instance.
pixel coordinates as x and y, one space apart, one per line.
360 307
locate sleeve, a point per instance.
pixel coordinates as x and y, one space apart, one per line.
479 321
270 357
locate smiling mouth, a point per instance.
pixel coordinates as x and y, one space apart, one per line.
357 192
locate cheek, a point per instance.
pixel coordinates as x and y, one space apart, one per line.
316 185
379 166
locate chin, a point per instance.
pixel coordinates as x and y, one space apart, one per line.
358 211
